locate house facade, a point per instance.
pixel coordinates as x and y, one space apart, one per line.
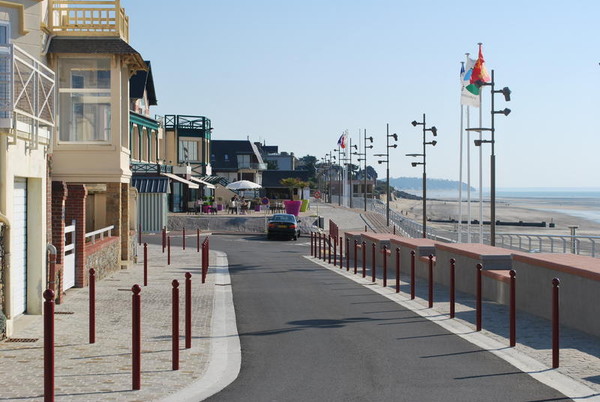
237 160
27 122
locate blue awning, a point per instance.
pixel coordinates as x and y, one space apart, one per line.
150 184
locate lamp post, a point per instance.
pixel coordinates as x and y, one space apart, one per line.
364 159
329 161
339 175
415 164
506 111
350 171
387 169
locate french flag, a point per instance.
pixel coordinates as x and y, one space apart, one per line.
342 141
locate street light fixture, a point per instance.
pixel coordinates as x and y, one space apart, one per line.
506 93
387 170
433 131
364 154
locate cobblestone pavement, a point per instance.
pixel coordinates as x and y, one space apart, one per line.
102 371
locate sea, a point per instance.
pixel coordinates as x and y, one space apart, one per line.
578 202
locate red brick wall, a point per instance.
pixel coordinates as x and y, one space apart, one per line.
59 195
75 210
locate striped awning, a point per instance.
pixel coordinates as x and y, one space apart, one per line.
200 181
150 184
181 180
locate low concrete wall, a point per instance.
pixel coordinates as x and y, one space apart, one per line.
103 256
579 288
242 223
421 247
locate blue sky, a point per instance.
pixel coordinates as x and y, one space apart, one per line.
298 73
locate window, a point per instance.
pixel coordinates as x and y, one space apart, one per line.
5 71
84 100
188 151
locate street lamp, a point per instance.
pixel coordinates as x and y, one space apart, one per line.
433 131
329 161
364 155
387 170
506 93
350 170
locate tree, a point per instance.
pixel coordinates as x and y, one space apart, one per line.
291 183
309 163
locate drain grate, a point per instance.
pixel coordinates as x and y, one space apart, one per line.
64 312
22 340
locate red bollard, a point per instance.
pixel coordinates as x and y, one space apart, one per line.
385 266
355 256
365 228
478 297
168 250
198 240
412 274
145 264
136 338
513 308
188 310
48 345
329 249
364 258
311 245
373 263
334 251
347 254
319 254
164 238
175 325
430 280
341 253
92 301
397 270
452 287
555 323
140 234
183 237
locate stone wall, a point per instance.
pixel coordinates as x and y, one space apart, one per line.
103 256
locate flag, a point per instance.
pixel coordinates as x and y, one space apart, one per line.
479 75
342 141
466 97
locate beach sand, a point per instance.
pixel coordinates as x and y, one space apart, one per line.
513 210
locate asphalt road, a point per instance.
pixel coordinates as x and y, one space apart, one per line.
308 334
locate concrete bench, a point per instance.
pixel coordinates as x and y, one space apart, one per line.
421 247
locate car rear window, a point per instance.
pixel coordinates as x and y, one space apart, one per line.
283 218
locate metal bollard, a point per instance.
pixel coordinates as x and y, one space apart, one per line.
140 234
198 240
355 256
334 251
48 345
452 287
319 246
373 263
136 338
385 266
92 305
52 272
329 249
397 270
478 297
555 322
188 310
311 245
347 254
164 238
394 229
430 280
168 250
513 308
145 264
364 259
175 324
183 238
412 274
341 253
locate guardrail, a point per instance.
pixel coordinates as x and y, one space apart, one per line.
100 232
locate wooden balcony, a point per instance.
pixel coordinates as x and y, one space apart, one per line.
88 18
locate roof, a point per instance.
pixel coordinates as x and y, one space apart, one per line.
215 180
271 178
140 81
150 184
231 148
95 45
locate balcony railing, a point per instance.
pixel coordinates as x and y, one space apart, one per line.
88 17
150 168
27 95
252 165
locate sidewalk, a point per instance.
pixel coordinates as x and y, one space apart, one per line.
103 370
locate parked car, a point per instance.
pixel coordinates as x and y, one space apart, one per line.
283 225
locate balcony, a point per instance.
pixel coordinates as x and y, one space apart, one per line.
27 96
88 18
189 126
251 165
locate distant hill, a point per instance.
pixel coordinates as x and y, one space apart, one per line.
416 183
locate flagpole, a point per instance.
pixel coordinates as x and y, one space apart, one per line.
480 164
460 176
469 218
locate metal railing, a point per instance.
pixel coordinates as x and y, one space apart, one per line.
90 17
27 95
91 236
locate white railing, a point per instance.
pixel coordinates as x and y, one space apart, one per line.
540 243
100 232
27 95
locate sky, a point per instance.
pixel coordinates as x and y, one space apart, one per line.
297 73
